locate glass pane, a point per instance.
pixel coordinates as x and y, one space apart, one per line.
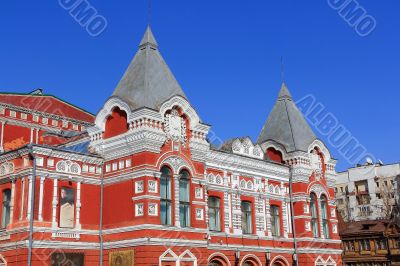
165 210
184 215
184 190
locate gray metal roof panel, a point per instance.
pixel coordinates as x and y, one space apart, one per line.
148 81
286 125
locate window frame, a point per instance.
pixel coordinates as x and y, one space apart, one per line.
216 213
314 215
6 208
247 217
184 204
167 200
325 216
275 212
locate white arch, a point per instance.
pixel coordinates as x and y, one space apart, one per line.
177 164
254 257
321 146
279 257
318 189
107 109
219 254
185 106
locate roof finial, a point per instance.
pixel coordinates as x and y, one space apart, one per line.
149 12
282 70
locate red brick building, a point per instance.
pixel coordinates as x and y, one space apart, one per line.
140 184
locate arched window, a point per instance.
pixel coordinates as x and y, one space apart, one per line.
184 199
324 213
275 221
214 213
314 215
5 219
166 196
247 223
215 263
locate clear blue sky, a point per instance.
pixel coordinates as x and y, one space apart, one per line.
226 55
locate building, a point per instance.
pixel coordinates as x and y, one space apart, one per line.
371 243
139 184
367 192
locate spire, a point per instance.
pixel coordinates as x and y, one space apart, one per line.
148 81
148 39
286 125
284 92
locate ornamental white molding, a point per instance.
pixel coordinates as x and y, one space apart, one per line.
275 145
217 180
247 166
175 127
253 257
177 164
321 146
107 110
68 167
318 189
246 147
186 108
6 168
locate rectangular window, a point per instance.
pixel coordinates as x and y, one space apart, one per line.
54 123
64 123
314 215
45 120
108 168
214 213
184 199
24 116
75 127
114 166
166 197
5 219
247 223
50 162
128 163
67 207
35 118
13 114
121 164
275 221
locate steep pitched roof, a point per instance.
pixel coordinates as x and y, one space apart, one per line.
148 81
286 125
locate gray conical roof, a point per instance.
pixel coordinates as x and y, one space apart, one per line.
286 125
148 81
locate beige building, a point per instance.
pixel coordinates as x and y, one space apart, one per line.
367 192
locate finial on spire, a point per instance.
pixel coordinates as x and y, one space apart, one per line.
282 70
148 39
149 12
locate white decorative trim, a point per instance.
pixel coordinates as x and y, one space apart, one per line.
251 256
192 258
139 186
139 209
68 167
279 258
170 256
153 209
246 147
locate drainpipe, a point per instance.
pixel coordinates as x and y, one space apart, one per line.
295 258
33 185
101 213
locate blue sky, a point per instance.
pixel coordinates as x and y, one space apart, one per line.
225 54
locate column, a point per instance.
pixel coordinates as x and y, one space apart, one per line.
12 201
37 136
55 203
284 217
42 179
22 198
227 212
176 200
28 216
78 206
2 135
268 217
320 219
31 139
